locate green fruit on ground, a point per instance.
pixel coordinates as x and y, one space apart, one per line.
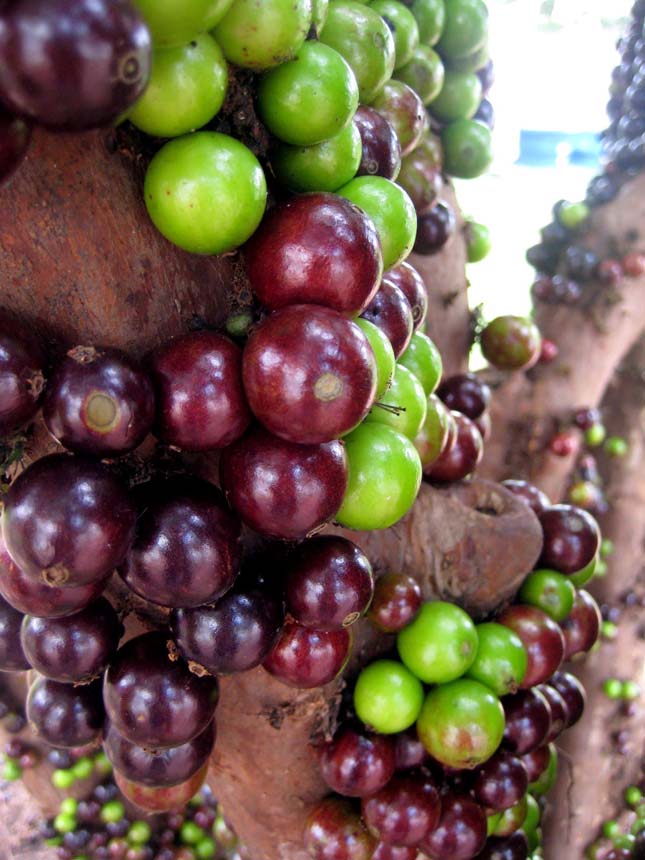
465 28
260 36
582 577
461 724
186 89
405 403
459 97
440 645
430 16
478 241
424 360
363 38
320 10
404 110
511 343
205 192
174 22
384 478
387 697
550 591
403 27
310 98
545 782
501 659
433 436
424 73
467 148
322 167
383 353
391 210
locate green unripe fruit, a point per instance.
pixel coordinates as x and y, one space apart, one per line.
433 436
595 435
613 688
11 770
383 353
112 811
501 660
83 768
459 97
616 446
465 28
175 22
478 241
406 404
467 148
440 644
403 27
424 360
64 823
63 779
582 577
430 16
550 591
387 697
424 73
322 167
573 215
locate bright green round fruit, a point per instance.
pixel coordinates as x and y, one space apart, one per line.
424 360
533 815
384 478
406 404
205 192
187 88
440 644
459 97
310 98
83 767
433 436
550 591
461 724
545 782
403 27
261 35
174 22
383 353
467 148
512 818
492 821
391 210
11 770
582 577
501 660
363 38
573 215
387 697
319 15
424 73
322 167
430 16
478 241
465 29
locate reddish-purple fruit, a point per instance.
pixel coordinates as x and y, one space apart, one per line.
581 626
391 312
159 798
409 281
158 767
542 640
573 694
536 761
329 583
511 343
461 459
357 764
528 721
434 228
403 108
65 715
571 538
282 489
404 812
465 393
99 402
186 550
316 249
75 649
530 495
15 135
381 148
334 831
21 377
559 711
383 851
309 374
67 521
199 394
397 599
409 752
308 658
420 177
461 833
12 655
485 426
501 782
513 847
153 700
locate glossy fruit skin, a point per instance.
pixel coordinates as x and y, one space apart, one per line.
160 799
387 697
328 583
461 833
186 550
467 146
559 712
403 27
383 354
439 432
582 626
384 476
536 762
551 592
64 715
383 851
530 495
177 705
404 812
403 108
334 831
73 66
322 167
306 658
458 461
363 38
281 489
357 764
573 694
545 781
440 644
422 180
99 402
571 538
192 180
501 661
434 229
171 22
528 721
513 847
12 655
21 377
424 73
15 136
162 768
85 513
391 312
459 97
261 36
511 343
381 150
512 819
465 393
310 98
501 782
397 599
76 649
407 404
542 639
409 281
430 17
309 374
479 244
315 249
465 28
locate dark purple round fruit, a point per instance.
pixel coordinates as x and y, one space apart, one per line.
329 583
542 639
73 65
158 767
316 249
559 712
486 76
381 148
282 489
308 658
537 761
461 833
199 394
571 538
21 376
390 311
99 402
357 764
15 135
434 228
465 393
420 176
397 599
485 114
573 694
409 752
186 549
334 831
12 655
581 626
67 521
530 495
459 460
383 851
409 281
309 374
404 812
513 847
501 782
511 343
65 715
153 700
402 107
528 721
234 635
